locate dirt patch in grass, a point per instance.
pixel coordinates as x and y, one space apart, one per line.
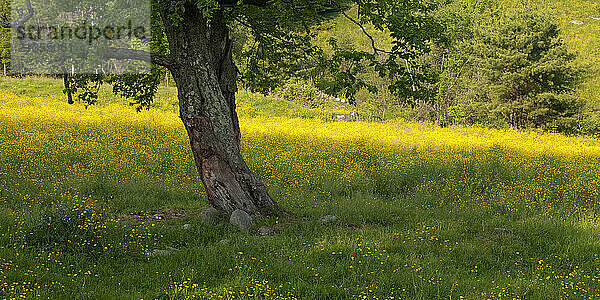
162 214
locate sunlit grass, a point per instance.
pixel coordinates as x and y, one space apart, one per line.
424 212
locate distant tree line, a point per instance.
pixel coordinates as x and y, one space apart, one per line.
460 62
468 62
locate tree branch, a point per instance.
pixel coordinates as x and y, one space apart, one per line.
157 59
285 42
364 30
22 17
259 3
117 53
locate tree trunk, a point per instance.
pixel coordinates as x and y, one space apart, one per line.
206 82
68 88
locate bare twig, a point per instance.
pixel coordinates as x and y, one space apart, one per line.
364 30
157 59
22 17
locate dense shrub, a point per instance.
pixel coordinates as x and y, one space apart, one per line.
304 93
590 123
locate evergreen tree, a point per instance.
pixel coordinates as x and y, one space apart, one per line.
524 74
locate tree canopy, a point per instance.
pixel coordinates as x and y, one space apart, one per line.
273 41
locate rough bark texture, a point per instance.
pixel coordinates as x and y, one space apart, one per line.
206 81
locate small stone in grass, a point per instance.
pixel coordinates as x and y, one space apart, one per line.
210 216
328 219
265 230
241 220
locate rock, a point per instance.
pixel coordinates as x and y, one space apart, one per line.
328 219
210 216
241 220
186 226
159 252
265 231
576 22
225 242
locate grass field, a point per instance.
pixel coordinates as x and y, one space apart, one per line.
95 202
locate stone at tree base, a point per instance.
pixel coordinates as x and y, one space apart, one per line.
328 219
241 220
210 216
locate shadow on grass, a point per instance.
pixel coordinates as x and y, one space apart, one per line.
412 223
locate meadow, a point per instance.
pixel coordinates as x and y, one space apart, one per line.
103 202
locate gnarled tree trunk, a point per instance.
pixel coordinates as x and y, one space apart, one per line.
206 81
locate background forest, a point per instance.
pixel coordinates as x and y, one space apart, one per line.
495 63
502 64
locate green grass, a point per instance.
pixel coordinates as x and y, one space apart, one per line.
417 223
414 223
34 86
248 103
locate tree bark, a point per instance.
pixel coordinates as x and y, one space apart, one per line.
68 88
205 75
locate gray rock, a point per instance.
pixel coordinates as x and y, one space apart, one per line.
265 231
210 216
576 22
225 242
241 220
159 252
186 226
328 219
